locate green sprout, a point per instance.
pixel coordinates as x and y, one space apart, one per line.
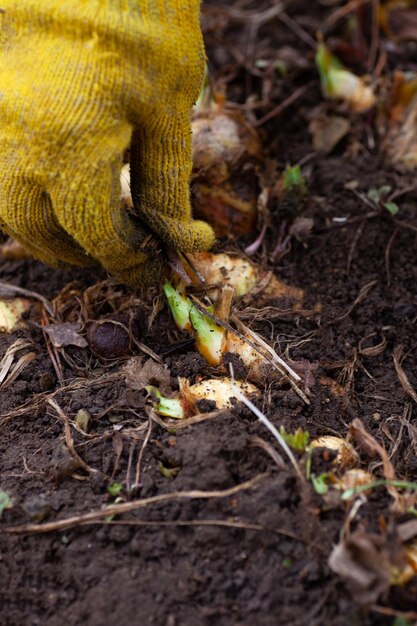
337 82
348 494
293 179
114 489
169 407
298 440
179 306
168 472
329 68
319 483
209 336
381 198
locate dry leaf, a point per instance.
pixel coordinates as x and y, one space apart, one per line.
301 228
65 334
407 530
139 374
327 132
362 561
372 448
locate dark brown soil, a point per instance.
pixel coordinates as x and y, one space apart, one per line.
259 556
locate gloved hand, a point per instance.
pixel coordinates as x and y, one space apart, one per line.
76 78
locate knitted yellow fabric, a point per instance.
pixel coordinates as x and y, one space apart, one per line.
75 79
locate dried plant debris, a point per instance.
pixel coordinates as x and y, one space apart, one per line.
363 561
398 123
65 334
11 312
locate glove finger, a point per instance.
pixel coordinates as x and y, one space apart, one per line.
91 214
26 213
160 171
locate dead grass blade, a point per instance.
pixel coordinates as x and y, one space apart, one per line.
68 438
361 296
385 610
222 523
402 376
6 363
362 561
42 398
11 291
269 449
260 345
265 421
372 448
128 507
18 368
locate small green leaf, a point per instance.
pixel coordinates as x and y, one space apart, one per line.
297 440
374 194
114 489
402 621
319 484
292 178
168 472
384 190
391 207
5 502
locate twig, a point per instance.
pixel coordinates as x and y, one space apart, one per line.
237 15
127 507
402 376
203 522
361 296
373 50
269 449
352 248
68 438
284 104
140 456
265 421
297 30
387 255
10 291
344 10
385 610
52 350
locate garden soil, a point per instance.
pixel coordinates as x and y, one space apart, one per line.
221 531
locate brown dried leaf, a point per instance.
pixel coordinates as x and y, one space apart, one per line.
371 447
65 334
327 132
301 228
139 374
407 530
362 561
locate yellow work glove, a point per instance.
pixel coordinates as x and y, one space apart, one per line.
76 78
